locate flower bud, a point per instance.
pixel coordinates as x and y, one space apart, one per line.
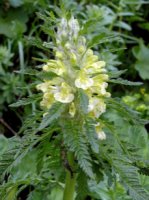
68 46
72 109
74 27
73 59
59 54
100 133
89 52
81 49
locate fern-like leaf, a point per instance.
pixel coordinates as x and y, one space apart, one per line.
91 134
125 82
82 187
54 113
75 141
26 101
125 111
129 175
83 101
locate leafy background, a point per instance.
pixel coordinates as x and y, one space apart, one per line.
120 29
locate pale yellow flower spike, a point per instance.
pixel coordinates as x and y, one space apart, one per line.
76 67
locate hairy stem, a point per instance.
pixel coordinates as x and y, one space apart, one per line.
70 179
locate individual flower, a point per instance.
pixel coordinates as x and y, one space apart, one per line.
96 106
55 66
96 67
72 109
83 81
100 133
43 86
47 101
64 95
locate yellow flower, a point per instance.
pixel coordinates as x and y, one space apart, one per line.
100 133
81 49
59 54
48 100
76 67
83 81
89 52
55 66
90 58
72 109
43 86
96 67
100 85
73 58
99 64
68 46
65 94
100 78
96 106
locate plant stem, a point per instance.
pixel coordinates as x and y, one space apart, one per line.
70 179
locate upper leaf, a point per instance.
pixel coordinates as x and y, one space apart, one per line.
54 112
26 101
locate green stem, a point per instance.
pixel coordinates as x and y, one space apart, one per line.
70 180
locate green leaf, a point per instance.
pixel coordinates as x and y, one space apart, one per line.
115 74
139 2
41 75
22 170
7 158
56 193
102 38
3 144
103 190
31 72
46 75
54 113
34 41
125 14
123 110
82 187
144 25
11 193
91 135
83 101
129 175
75 141
96 40
141 53
125 82
123 25
134 137
26 101
14 24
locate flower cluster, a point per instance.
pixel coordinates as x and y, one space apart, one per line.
75 67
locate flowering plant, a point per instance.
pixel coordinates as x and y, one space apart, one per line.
77 151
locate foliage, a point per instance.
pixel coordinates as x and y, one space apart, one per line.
141 52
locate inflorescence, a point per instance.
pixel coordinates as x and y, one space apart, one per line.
76 67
